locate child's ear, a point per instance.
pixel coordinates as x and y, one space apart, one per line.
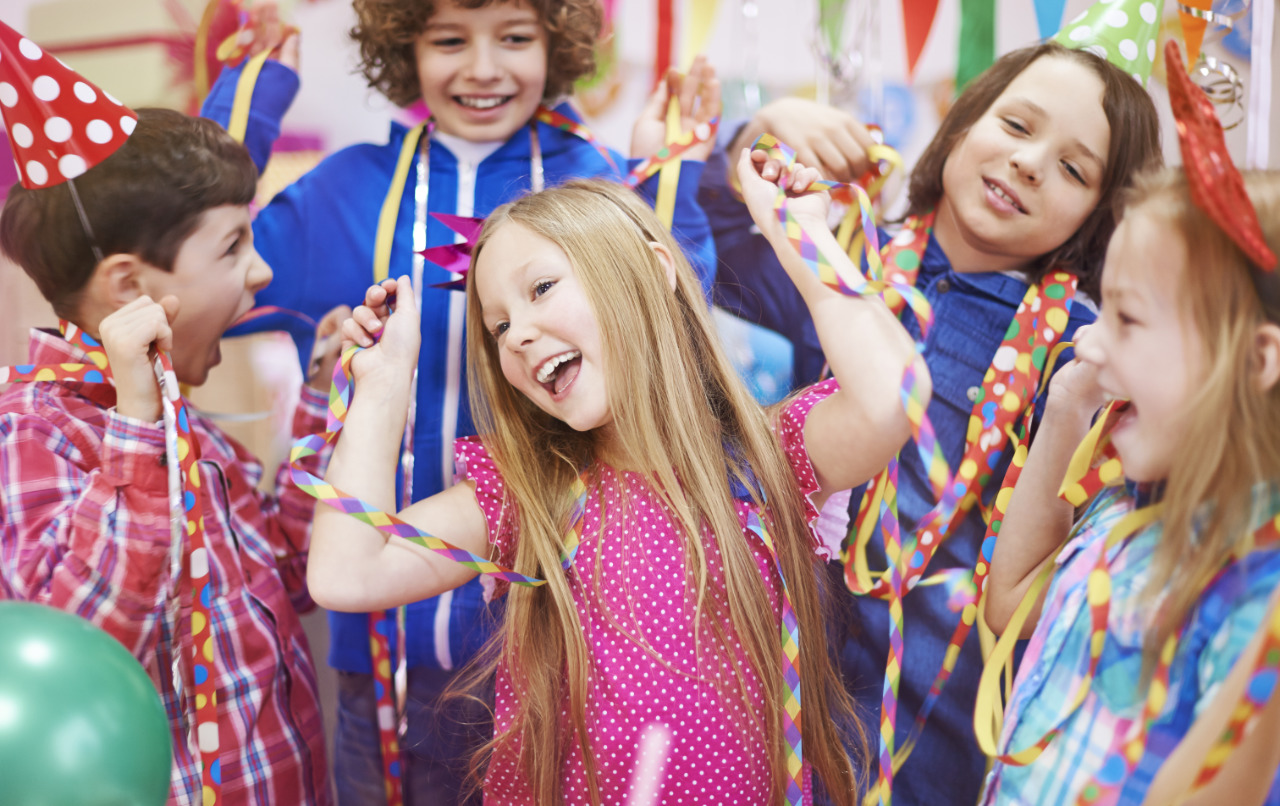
667 261
1266 350
117 280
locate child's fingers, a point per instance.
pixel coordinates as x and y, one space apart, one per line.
375 296
265 19
688 86
709 103
655 106
332 321
406 300
290 52
359 327
170 306
352 335
769 168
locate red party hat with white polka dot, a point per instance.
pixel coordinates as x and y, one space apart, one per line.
60 125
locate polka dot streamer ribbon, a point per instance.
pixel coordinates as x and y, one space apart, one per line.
967 602
672 151
1093 467
1001 412
339 401
182 454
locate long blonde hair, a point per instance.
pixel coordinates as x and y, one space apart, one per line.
1233 437
681 413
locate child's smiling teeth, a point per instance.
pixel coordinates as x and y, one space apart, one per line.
999 191
482 102
548 370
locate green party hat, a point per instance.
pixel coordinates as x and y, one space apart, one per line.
1121 31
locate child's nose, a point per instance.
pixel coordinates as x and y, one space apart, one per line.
259 275
1088 344
1028 162
520 333
483 65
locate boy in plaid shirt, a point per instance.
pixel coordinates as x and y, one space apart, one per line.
151 248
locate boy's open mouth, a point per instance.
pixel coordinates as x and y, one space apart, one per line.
557 372
482 102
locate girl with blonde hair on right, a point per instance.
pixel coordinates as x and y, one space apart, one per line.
623 462
1159 589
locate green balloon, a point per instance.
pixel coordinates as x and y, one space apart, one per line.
81 724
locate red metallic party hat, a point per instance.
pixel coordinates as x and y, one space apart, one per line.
1216 185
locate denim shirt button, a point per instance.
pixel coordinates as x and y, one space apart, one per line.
973 393
943 286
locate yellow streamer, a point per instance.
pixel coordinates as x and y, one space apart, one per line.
391 205
988 712
697 29
239 122
201 55
850 224
669 174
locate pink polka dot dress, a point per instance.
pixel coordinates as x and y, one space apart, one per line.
650 684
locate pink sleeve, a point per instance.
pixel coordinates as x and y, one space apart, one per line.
473 463
790 430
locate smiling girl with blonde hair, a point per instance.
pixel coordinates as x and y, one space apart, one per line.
593 358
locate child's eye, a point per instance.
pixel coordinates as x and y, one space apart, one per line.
234 249
1074 172
448 42
1015 125
541 287
499 329
519 39
1125 319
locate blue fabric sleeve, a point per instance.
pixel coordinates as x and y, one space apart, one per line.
1239 607
273 93
691 228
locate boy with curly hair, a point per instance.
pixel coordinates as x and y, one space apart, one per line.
492 73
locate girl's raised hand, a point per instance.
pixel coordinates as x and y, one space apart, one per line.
699 96
387 326
1075 387
761 177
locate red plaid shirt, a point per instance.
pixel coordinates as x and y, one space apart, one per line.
84 515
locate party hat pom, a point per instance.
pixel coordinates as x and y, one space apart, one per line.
59 124
1121 31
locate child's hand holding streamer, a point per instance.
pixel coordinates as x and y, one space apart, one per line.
386 325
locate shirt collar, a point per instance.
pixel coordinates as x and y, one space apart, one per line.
49 347
1003 285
